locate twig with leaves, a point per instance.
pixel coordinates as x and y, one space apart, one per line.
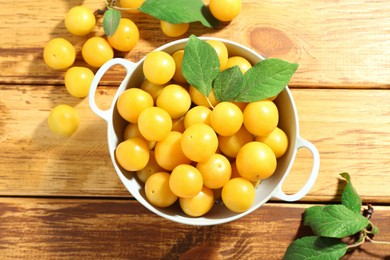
331 223
172 11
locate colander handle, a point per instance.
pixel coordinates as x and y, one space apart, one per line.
279 194
128 65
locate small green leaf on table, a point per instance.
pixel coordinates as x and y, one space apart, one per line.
350 198
228 84
335 221
200 65
313 247
374 230
111 21
179 11
266 79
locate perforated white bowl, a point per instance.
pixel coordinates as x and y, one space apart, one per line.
271 187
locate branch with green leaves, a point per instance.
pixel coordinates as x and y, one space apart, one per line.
201 68
172 11
330 224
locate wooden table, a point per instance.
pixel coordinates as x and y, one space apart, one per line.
61 198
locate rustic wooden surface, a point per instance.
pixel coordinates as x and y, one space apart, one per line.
61 198
123 229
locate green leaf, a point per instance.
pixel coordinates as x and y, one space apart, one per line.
350 198
179 11
346 176
375 230
111 21
312 247
200 65
266 79
228 84
334 221
372 229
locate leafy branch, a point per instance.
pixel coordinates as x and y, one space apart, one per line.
172 11
330 223
201 68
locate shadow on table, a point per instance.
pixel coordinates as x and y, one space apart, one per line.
205 243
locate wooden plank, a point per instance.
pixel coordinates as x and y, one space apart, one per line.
112 229
35 161
349 127
350 130
336 43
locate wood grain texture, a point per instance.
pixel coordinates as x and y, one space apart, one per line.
336 43
123 229
349 127
60 198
